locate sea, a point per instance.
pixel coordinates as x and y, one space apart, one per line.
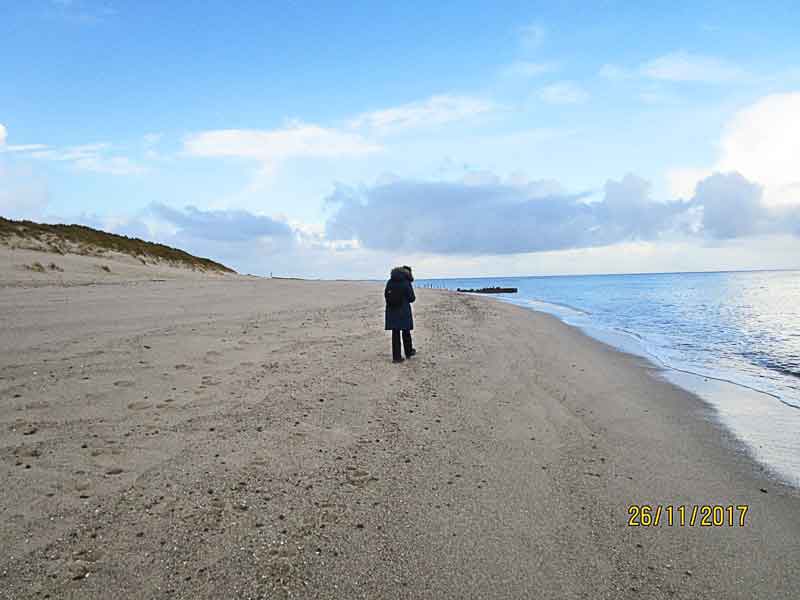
732 338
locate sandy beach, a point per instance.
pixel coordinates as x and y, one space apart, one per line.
234 437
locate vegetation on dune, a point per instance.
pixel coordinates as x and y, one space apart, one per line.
79 239
37 266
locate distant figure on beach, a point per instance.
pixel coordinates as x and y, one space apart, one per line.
399 294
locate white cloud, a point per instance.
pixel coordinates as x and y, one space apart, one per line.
615 72
683 180
4 147
658 93
436 110
679 66
564 92
87 157
23 148
111 165
526 69
684 66
762 142
16 148
43 152
297 140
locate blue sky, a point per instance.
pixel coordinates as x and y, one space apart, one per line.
282 137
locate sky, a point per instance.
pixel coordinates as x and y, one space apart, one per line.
318 139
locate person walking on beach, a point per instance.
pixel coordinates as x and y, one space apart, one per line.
399 294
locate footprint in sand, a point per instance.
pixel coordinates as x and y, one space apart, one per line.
211 356
359 477
182 367
83 485
27 452
139 405
124 383
37 405
25 428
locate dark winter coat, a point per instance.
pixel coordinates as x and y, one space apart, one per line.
400 317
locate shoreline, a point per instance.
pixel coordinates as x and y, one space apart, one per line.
726 397
688 382
661 373
254 439
614 338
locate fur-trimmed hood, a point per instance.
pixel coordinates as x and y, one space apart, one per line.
400 273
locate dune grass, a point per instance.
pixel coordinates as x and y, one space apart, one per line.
37 266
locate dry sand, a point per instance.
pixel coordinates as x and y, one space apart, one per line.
251 439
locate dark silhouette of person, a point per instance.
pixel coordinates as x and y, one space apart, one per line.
399 294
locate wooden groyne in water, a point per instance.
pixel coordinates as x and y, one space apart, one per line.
490 290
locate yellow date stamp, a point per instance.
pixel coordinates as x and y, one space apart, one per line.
687 515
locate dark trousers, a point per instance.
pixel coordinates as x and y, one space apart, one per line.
396 343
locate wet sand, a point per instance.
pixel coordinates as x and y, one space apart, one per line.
247 438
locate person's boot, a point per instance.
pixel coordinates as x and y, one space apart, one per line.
398 360
408 345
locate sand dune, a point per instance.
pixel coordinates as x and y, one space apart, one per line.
29 268
246 438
